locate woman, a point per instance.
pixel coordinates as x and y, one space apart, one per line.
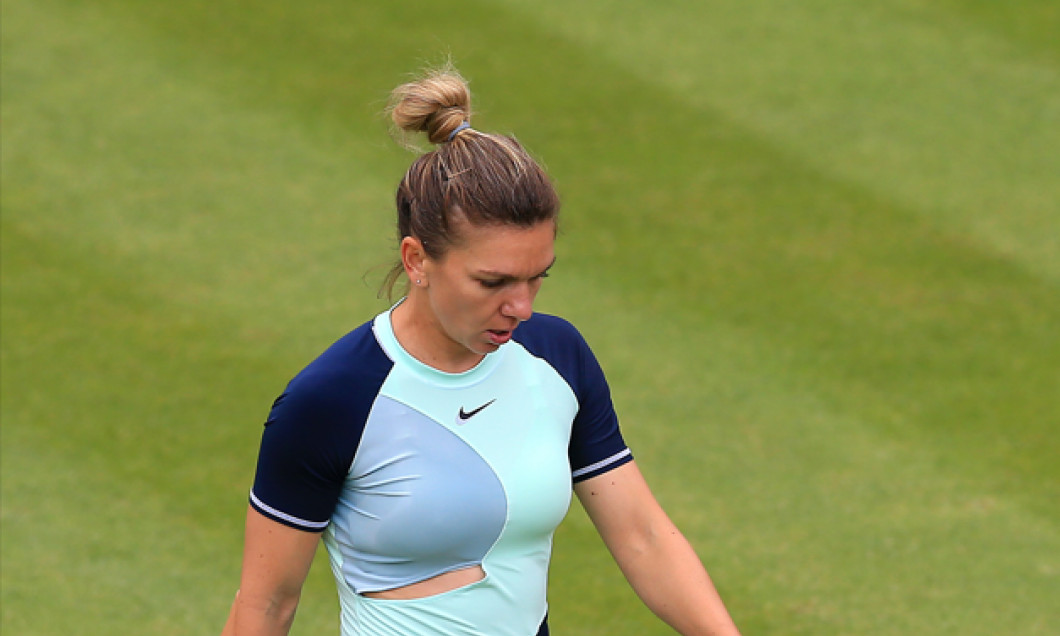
434 447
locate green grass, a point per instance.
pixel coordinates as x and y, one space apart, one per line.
815 247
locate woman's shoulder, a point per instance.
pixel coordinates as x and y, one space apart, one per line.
554 339
559 343
353 361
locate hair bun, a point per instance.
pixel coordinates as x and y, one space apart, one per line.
436 104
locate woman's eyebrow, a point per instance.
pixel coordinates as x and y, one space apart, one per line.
506 276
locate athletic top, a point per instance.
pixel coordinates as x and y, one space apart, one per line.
412 472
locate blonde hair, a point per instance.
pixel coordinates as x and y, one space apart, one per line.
487 179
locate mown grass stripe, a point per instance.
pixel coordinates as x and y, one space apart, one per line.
911 102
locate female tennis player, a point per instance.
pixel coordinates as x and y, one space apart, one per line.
434 449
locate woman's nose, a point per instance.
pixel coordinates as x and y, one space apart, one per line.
520 305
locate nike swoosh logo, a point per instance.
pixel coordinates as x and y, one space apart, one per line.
465 415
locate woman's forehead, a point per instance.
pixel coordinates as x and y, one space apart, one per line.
505 248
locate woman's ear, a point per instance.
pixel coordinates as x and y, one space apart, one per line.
414 260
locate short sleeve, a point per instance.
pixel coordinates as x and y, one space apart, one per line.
596 444
312 433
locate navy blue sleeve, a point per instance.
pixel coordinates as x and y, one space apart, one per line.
313 430
596 444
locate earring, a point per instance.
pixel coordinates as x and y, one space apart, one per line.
417 281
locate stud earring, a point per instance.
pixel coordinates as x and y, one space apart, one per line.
417 281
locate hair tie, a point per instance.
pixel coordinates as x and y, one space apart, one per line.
463 126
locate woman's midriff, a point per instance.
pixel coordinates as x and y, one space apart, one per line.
444 582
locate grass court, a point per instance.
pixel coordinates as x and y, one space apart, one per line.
815 245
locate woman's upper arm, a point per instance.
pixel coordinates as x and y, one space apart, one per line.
276 559
620 504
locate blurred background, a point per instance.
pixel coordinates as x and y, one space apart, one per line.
815 245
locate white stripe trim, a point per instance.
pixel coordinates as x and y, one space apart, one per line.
600 464
315 525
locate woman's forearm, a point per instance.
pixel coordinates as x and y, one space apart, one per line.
668 576
655 557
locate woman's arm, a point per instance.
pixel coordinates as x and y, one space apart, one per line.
276 561
655 557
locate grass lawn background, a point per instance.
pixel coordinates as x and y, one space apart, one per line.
814 246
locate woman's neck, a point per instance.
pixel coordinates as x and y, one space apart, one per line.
423 338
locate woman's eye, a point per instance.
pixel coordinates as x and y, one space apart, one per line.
491 284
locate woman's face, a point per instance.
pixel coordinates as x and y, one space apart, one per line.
481 289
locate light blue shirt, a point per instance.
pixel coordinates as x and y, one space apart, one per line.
413 472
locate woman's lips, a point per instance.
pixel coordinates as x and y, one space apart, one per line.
499 337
